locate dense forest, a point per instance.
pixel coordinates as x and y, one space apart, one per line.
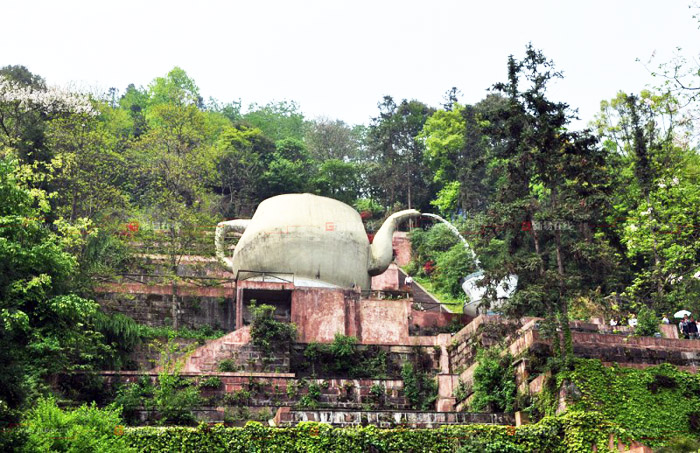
596 221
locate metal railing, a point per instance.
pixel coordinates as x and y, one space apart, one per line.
272 277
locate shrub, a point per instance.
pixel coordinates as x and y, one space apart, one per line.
571 432
84 429
647 323
269 334
228 365
237 398
175 398
419 387
377 392
494 382
134 396
212 382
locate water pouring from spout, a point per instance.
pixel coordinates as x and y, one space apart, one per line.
471 287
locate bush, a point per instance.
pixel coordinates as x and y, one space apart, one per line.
212 382
175 398
84 429
647 323
571 432
228 365
133 397
419 387
269 334
344 358
494 382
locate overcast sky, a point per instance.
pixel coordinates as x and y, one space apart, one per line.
338 58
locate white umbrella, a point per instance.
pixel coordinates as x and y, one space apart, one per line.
680 314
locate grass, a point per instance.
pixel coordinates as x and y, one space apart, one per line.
448 300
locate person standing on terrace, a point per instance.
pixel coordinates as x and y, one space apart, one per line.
692 329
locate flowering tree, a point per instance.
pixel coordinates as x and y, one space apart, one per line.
26 103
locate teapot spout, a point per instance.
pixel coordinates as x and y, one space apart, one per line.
381 251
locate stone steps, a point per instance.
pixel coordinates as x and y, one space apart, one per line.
207 356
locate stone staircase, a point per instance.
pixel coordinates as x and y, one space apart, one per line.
206 357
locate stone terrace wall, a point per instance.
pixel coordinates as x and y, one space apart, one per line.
482 332
386 419
396 357
152 304
433 322
284 389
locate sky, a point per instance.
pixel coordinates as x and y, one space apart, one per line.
338 58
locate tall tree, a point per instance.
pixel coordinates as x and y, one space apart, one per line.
655 173
243 155
277 120
44 327
550 190
328 139
398 172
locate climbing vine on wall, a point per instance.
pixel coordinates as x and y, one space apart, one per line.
654 404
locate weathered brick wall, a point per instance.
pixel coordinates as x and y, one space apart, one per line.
152 304
281 389
396 357
433 322
483 332
145 356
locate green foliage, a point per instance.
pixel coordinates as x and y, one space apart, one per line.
228 365
172 396
419 387
311 399
462 391
494 382
343 346
277 120
344 357
647 323
680 445
122 333
132 397
655 403
452 262
85 429
238 398
269 334
212 382
45 328
377 393
571 433
397 171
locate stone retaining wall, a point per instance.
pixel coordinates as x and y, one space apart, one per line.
284 389
152 304
393 419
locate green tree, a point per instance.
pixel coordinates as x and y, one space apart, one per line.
175 160
278 120
328 139
340 180
243 154
655 174
456 150
551 189
289 171
91 171
398 173
44 328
